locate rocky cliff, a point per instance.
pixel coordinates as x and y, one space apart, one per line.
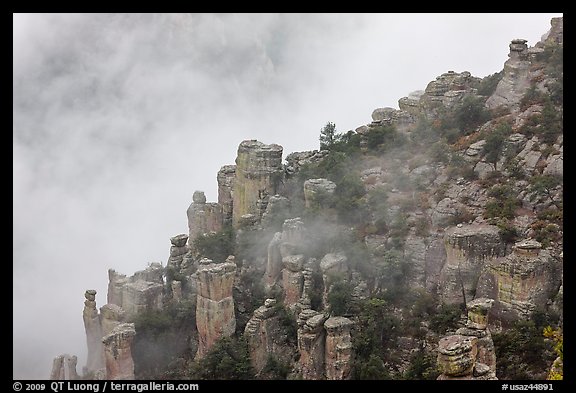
356 261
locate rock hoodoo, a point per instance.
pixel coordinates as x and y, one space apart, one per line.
215 316
259 174
469 354
118 352
95 358
64 368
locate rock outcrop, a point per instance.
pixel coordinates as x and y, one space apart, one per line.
266 337
93 328
203 217
142 291
215 316
338 349
469 354
522 281
225 178
259 173
317 192
118 352
277 210
468 249
64 368
311 344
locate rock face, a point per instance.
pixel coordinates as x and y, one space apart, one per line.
469 354
215 316
519 71
118 352
448 90
203 217
265 337
317 191
521 282
338 349
64 368
468 249
287 263
111 316
311 344
259 173
95 357
277 210
225 178
142 291
332 266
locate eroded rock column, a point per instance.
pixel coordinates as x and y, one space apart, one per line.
93 328
338 351
311 343
118 352
215 316
202 217
64 368
469 354
259 173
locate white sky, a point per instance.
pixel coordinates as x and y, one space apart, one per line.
118 119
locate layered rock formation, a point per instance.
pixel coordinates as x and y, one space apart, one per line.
225 178
469 354
519 72
266 337
203 217
338 350
468 249
287 262
214 303
311 344
118 352
64 368
259 173
142 291
521 282
317 192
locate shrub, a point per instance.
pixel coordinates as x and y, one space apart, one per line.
229 359
522 352
471 113
215 246
488 84
447 317
422 367
339 297
328 136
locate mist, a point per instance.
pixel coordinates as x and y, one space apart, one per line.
119 118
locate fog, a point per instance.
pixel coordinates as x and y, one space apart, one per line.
119 118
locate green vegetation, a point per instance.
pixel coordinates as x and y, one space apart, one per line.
328 136
275 369
215 246
488 84
543 186
377 328
422 367
522 351
557 336
161 337
495 142
287 322
446 318
228 359
339 297
503 204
